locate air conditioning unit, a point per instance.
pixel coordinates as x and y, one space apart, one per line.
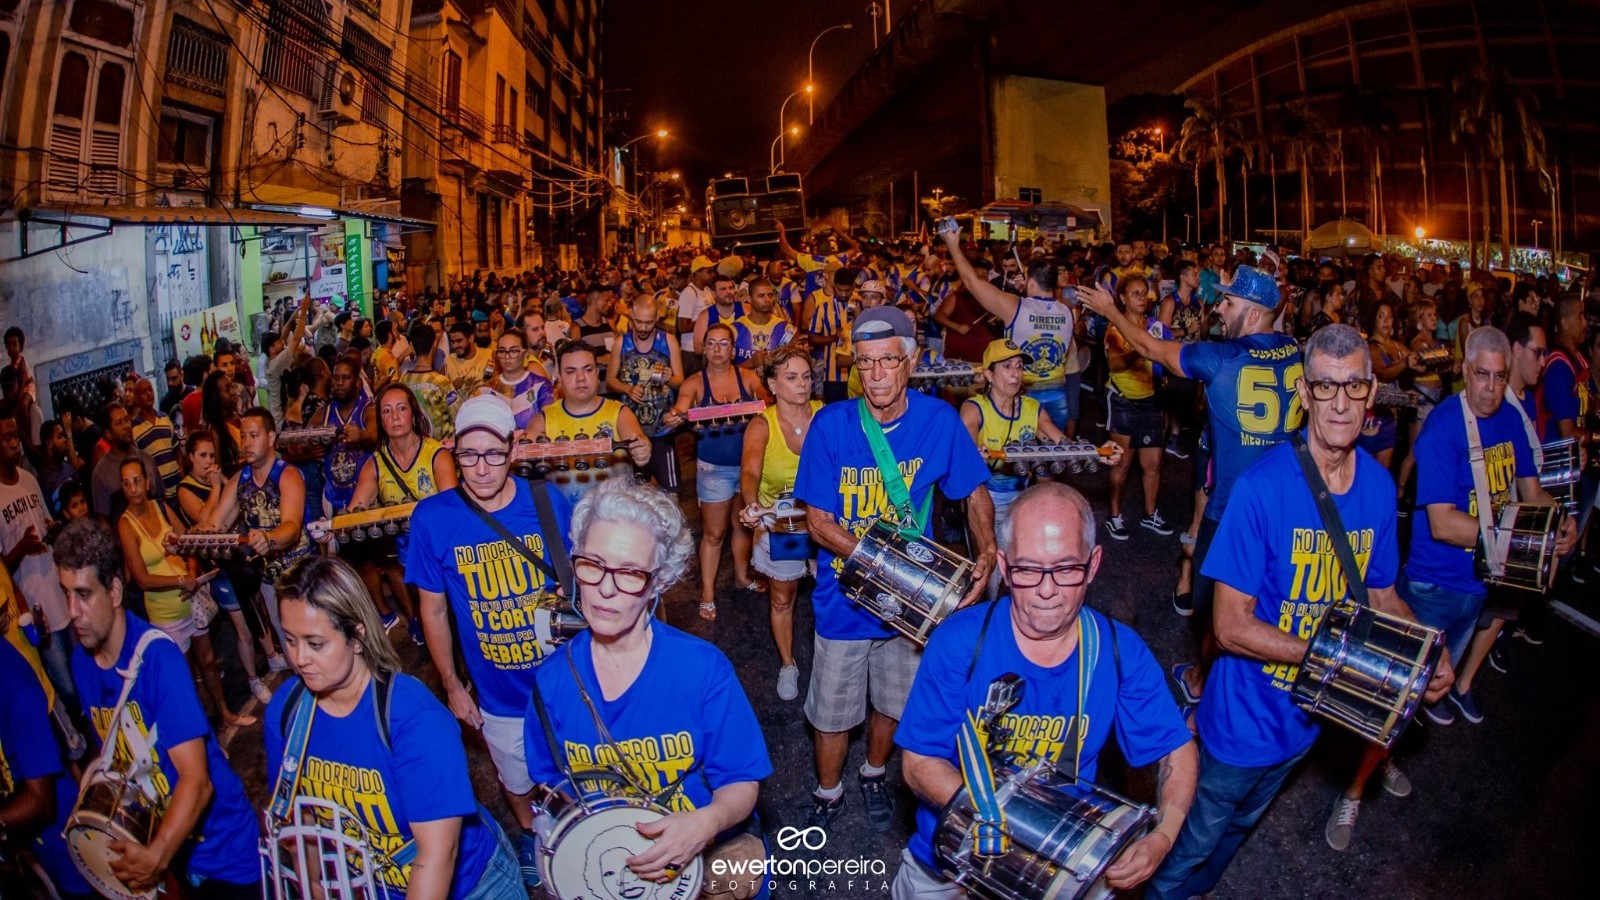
341 93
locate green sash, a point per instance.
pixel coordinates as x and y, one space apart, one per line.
909 520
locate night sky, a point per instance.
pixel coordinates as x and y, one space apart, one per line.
714 73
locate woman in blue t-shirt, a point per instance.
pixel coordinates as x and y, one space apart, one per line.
637 707
378 744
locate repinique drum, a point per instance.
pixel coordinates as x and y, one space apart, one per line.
1064 833
584 847
1559 473
909 583
323 853
110 808
1367 670
1528 531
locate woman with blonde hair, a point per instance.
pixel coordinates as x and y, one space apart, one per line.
349 709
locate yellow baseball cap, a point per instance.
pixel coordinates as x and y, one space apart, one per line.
1001 350
701 262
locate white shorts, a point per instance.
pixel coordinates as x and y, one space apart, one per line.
182 631
776 569
503 734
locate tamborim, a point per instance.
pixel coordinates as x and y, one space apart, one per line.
1367 670
1559 473
1063 832
909 583
110 808
583 848
1527 534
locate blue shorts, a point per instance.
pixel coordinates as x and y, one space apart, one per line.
1054 401
714 483
222 591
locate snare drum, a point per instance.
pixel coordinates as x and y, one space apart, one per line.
584 845
909 583
1529 534
1367 670
1559 473
1063 833
110 808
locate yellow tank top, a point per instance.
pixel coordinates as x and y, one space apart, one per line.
558 423
418 478
779 465
996 430
161 606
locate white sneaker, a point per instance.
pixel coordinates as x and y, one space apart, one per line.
1342 823
260 691
788 682
1395 781
276 663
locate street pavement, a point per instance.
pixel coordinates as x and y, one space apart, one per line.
1499 809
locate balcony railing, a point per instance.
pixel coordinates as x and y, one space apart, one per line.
507 134
463 118
197 58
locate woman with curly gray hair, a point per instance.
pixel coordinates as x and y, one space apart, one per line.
642 702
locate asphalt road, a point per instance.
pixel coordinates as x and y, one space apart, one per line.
1500 809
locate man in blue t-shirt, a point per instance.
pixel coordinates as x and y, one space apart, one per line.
1249 379
501 602
1277 572
1564 398
839 479
208 834
1082 675
1441 581
36 795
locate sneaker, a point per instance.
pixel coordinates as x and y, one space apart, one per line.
1175 449
1189 697
1155 523
1183 603
260 691
390 619
1467 706
1497 660
1187 539
880 803
788 682
1528 635
1439 713
1395 781
1342 823
276 663
823 812
528 860
414 628
1116 529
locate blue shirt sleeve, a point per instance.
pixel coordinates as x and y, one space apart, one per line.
936 706
817 478
1383 564
1201 360
1238 554
1439 460
25 737
1149 725
1560 391
272 731
423 567
735 751
965 468
430 763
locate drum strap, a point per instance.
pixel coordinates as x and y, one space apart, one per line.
1533 432
908 519
561 571
989 838
139 751
1355 582
1494 548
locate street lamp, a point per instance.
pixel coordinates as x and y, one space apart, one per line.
783 117
811 81
772 152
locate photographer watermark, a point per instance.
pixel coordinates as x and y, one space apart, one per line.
795 873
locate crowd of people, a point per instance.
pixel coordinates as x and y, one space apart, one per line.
532 431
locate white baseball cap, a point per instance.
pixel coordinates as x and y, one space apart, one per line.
489 412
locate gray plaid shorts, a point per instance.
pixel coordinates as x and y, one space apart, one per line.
844 672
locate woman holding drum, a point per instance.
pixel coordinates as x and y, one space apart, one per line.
772 443
609 735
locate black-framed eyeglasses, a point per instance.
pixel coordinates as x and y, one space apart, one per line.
1070 575
626 580
1323 391
887 363
470 458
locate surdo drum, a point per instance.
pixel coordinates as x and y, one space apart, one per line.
1064 833
1367 670
909 583
584 845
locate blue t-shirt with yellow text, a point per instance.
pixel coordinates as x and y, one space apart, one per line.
1271 546
494 593
1444 475
839 475
421 777
685 719
1250 394
1129 694
28 751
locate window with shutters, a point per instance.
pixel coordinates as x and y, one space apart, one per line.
292 58
516 234
373 58
85 160
496 236
450 88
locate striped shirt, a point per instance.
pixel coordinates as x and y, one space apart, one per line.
155 436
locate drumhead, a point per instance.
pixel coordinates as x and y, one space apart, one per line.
588 854
89 842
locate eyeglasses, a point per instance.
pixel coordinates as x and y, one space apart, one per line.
626 580
470 458
1323 391
1070 575
1500 377
719 343
887 363
510 351
1538 352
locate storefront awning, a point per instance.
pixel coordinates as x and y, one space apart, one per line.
83 216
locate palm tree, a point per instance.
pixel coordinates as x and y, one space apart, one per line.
1371 120
1486 112
1303 135
1209 136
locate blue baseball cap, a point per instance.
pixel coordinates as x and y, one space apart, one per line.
1253 285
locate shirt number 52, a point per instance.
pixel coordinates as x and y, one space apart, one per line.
1261 394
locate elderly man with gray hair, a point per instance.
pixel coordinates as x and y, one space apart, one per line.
1082 676
1277 571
